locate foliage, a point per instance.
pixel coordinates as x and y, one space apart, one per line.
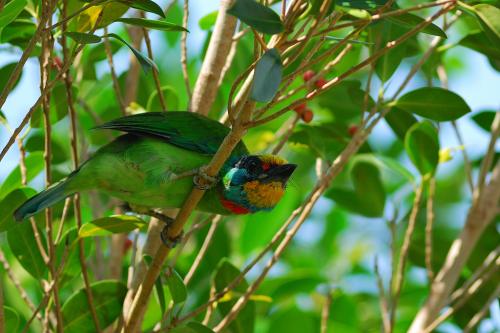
368 219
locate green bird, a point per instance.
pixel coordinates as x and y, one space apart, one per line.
153 164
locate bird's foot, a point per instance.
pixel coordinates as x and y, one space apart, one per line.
169 241
209 181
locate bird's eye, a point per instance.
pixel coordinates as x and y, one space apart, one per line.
253 167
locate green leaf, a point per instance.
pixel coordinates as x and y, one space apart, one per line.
258 16
361 4
152 24
345 101
400 121
19 31
484 119
380 35
23 245
58 106
315 6
407 20
108 297
245 320
11 319
208 21
160 294
5 73
489 17
434 103
170 95
146 63
199 328
115 224
36 142
368 197
176 286
368 185
325 140
10 203
10 12
145 5
268 74
83 38
422 146
34 165
479 42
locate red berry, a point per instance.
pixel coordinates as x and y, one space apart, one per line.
300 108
307 116
308 75
352 130
57 63
127 245
319 83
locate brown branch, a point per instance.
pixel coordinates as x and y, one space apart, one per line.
230 141
399 278
480 215
203 250
384 306
325 312
205 90
65 71
428 229
114 78
184 65
483 311
155 70
17 285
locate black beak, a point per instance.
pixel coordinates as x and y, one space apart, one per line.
281 172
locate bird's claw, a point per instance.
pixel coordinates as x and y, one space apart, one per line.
209 180
168 241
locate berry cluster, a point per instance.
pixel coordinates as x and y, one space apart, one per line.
302 110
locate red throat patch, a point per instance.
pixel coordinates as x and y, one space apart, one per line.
233 207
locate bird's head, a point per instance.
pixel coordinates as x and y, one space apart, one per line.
255 183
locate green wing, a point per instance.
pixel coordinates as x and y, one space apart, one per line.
186 130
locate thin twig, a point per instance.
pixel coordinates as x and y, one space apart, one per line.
399 278
184 65
483 311
203 250
156 77
17 285
325 312
384 306
114 78
428 229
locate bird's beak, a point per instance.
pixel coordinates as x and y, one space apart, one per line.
281 172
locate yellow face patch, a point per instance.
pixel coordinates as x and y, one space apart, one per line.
263 195
272 160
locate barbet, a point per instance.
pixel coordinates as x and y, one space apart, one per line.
152 166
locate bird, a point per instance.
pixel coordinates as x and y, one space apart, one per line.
152 166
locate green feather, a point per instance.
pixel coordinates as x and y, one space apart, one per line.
186 130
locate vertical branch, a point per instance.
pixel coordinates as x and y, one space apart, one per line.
428 229
399 277
203 250
205 90
74 152
480 215
155 71
2 314
114 78
325 312
184 64
45 64
384 306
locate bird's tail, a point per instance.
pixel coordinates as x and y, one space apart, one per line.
44 199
